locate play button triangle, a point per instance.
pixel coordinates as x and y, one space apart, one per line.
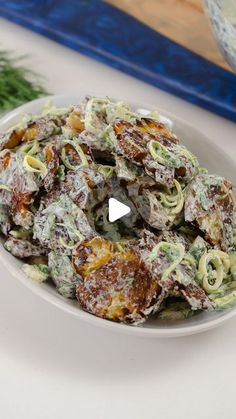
117 210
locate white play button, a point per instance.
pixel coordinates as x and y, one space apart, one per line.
117 210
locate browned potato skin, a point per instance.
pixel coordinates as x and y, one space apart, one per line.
132 143
194 292
23 248
12 139
91 255
215 221
73 155
157 128
52 162
71 152
147 126
6 160
191 292
17 136
120 290
20 204
75 122
15 139
134 147
33 130
30 133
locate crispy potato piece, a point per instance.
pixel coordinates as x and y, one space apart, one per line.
39 130
162 175
148 126
144 245
91 255
6 160
86 187
210 205
13 176
180 281
131 142
188 288
23 248
43 128
19 187
153 212
156 128
75 121
31 132
196 297
11 139
152 145
72 155
52 162
121 290
20 211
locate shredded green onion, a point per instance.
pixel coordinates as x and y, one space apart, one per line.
162 155
79 151
6 188
175 251
31 164
107 171
213 265
30 148
174 201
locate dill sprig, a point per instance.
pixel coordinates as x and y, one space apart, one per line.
17 84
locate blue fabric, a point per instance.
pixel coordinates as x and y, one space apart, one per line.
109 35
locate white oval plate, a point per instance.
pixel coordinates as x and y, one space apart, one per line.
210 156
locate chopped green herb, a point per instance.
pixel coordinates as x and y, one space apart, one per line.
17 84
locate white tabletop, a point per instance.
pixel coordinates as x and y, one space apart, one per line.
53 366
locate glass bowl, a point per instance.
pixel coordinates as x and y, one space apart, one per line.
222 14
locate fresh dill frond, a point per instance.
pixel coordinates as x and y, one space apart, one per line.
17 84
